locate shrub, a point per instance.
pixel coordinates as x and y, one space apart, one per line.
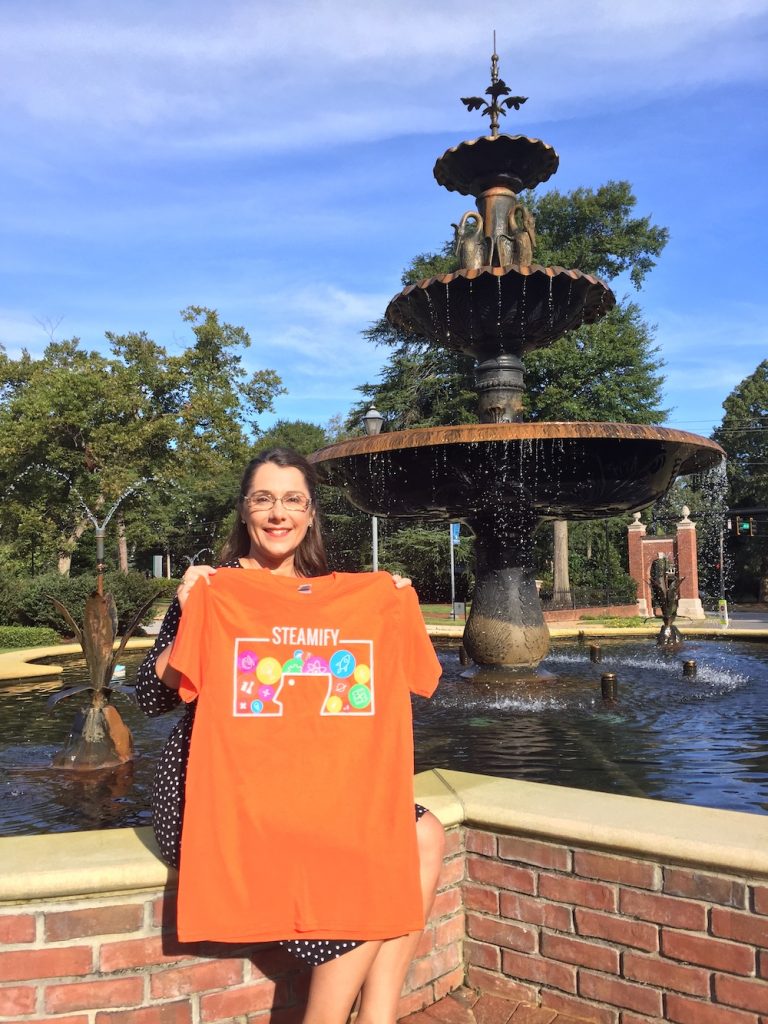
165 587
14 637
129 590
9 597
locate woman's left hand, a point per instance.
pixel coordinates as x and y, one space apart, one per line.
401 581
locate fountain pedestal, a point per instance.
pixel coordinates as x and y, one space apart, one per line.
506 625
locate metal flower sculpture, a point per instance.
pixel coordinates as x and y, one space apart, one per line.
99 738
497 88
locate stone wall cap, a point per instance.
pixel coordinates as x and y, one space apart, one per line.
80 863
669 832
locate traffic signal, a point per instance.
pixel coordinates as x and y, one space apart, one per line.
745 526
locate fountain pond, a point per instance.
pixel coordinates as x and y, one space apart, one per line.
701 740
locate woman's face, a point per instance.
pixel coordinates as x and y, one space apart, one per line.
276 532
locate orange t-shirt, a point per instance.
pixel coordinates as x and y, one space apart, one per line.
298 821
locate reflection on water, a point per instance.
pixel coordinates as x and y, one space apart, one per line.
37 798
700 741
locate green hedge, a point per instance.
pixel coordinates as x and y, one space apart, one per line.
166 587
27 602
14 637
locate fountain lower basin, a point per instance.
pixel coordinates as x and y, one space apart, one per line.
501 480
547 470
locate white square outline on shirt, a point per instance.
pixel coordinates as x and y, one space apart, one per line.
291 678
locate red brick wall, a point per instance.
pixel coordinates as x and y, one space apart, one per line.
619 940
614 939
115 960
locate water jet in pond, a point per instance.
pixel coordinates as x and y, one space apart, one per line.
99 738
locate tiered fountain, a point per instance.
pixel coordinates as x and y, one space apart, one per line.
502 476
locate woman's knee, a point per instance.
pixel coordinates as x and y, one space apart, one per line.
431 839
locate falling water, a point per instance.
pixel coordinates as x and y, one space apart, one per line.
498 307
711 520
523 314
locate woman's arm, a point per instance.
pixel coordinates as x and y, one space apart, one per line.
157 682
153 695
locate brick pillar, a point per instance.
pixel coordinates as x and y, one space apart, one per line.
635 534
689 605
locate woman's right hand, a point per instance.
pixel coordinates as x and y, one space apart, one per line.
190 578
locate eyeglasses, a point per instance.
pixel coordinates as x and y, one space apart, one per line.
262 501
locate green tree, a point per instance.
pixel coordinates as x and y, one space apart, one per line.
595 231
79 428
743 435
424 554
607 372
300 435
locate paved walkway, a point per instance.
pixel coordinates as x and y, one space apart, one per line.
465 1006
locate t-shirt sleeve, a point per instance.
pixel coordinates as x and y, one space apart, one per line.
419 659
187 654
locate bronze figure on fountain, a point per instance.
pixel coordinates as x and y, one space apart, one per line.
665 591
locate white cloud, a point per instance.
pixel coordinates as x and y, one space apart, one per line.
257 75
738 329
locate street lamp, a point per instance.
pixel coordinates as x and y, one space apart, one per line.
372 421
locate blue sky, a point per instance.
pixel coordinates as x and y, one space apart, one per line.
274 161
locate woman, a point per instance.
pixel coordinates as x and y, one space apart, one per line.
278 529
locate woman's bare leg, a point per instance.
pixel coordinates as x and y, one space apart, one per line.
385 978
335 985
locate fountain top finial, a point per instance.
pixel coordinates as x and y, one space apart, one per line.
497 88
514 162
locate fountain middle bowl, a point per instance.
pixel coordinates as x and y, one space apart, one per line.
552 470
488 311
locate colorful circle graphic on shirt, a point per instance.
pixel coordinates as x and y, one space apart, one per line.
315 665
268 670
334 705
247 661
362 674
343 664
256 707
294 664
359 696
266 692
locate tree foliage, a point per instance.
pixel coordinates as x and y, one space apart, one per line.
594 230
743 434
300 435
79 428
607 372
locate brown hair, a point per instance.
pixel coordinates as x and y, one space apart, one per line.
310 558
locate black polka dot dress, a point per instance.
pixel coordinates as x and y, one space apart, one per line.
155 698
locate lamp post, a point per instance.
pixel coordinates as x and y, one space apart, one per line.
372 421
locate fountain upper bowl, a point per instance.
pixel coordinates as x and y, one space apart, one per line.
514 161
